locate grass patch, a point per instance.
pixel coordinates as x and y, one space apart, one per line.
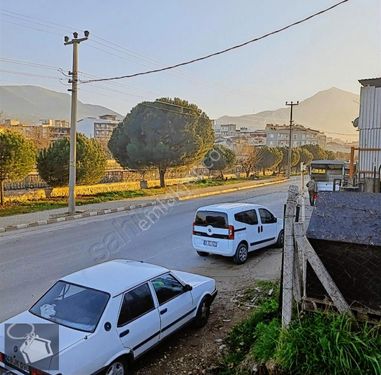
243 336
331 344
16 208
315 343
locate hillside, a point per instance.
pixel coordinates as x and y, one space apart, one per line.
32 103
330 110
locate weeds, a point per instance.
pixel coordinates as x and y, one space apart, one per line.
327 343
315 343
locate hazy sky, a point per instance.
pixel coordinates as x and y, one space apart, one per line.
335 49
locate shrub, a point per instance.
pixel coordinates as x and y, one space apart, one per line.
322 343
53 162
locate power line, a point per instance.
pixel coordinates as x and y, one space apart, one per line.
224 50
56 68
117 47
27 74
28 63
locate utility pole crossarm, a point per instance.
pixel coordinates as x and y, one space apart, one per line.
73 121
291 105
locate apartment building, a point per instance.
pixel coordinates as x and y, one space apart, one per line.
45 131
278 136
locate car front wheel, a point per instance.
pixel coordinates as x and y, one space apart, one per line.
118 367
241 254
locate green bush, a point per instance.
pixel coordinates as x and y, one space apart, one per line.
322 343
315 343
53 162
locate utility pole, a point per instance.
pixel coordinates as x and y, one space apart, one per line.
291 104
73 122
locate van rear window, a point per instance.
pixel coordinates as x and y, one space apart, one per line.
215 219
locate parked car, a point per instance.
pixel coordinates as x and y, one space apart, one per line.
110 314
235 229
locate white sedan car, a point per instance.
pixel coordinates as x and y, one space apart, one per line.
105 317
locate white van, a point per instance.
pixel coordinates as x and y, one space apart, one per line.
235 229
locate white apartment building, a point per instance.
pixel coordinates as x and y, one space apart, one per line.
278 136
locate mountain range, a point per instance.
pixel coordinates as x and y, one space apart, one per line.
331 110
32 103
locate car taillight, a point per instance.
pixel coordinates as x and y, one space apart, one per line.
2 357
231 232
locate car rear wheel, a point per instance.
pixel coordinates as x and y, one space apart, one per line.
241 254
202 253
118 367
203 313
280 240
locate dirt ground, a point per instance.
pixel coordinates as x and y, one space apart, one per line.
198 351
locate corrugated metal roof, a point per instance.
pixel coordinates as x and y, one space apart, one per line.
371 82
347 217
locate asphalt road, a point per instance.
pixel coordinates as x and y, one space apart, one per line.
32 260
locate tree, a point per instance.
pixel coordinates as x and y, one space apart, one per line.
295 158
330 155
162 134
17 158
40 139
219 158
269 158
317 152
53 162
305 157
247 157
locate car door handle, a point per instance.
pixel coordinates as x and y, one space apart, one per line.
163 311
124 333
259 229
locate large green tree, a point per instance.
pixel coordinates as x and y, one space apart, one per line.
295 158
317 152
305 156
17 158
53 162
269 158
162 134
219 158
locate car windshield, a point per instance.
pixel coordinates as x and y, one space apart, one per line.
215 219
72 306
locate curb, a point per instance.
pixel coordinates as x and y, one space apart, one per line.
106 211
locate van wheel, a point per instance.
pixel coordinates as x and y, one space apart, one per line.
280 241
202 253
241 254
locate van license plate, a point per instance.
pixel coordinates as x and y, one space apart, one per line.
210 243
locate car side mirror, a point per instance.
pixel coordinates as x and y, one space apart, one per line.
275 219
187 288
